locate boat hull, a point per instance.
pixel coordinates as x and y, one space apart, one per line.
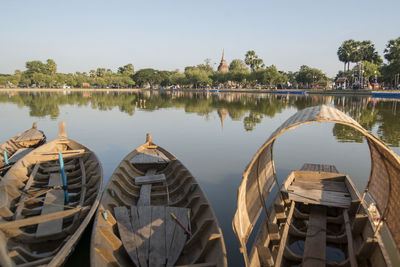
37 225
173 190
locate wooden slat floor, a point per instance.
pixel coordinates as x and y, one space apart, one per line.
315 244
328 192
149 234
319 168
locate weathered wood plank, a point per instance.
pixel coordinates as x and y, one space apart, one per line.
54 202
150 179
169 230
350 245
328 198
67 167
265 256
321 194
40 219
157 252
144 214
83 190
315 244
360 220
366 248
319 168
127 233
148 156
322 185
19 154
135 222
76 151
145 195
28 185
179 237
282 244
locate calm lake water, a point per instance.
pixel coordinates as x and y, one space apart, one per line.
215 136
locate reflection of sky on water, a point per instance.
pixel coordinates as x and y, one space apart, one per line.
215 156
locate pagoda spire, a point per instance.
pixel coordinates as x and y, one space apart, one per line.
222 114
223 67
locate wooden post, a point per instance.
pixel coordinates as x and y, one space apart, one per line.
62 132
149 139
34 125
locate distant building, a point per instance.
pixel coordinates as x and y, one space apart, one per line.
223 67
343 82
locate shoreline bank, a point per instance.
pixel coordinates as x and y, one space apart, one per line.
249 90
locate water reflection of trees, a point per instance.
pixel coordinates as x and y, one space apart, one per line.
374 115
370 113
47 104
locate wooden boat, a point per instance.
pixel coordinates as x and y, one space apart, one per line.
41 217
317 217
18 146
134 225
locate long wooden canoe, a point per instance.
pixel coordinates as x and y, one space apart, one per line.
135 224
19 145
317 217
41 218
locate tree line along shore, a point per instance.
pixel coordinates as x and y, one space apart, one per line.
363 68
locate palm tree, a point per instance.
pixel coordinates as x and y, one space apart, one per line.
348 52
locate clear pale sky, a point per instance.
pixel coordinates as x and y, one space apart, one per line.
172 34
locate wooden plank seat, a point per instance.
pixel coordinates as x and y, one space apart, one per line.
149 158
54 202
146 183
321 197
313 189
149 234
315 244
5 226
150 179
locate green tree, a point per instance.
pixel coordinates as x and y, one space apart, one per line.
345 52
178 78
206 66
41 79
220 77
392 50
356 51
35 66
147 76
126 70
197 76
309 77
368 53
253 61
370 70
238 65
50 67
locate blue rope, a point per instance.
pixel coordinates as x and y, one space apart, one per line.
64 177
5 158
